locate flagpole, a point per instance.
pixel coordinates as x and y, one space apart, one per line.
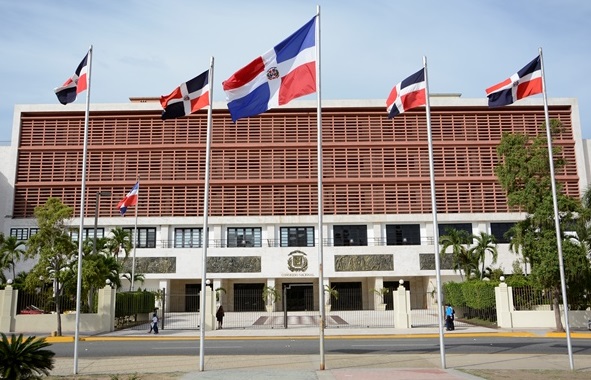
556 215
434 211
205 234
320 200
135 237
82 202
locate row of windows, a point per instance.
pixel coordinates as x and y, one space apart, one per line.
344 235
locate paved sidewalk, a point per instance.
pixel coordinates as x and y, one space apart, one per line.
307 367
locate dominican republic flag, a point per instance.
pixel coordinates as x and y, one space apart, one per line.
409 93
187 98
282 74
130 199
76 84
526 82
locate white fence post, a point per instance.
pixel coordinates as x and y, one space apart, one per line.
401 300
8 299
504 301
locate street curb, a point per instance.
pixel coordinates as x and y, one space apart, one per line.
68 339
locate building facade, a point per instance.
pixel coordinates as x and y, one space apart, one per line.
263 212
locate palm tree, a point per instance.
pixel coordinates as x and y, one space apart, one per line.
11 252
458 240
24 359
138 277
121 239
485 243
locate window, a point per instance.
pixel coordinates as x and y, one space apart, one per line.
33 231
146 237
20 233
444 227
297 236
88 233
350 235
403 234
244 237
188 237
498 230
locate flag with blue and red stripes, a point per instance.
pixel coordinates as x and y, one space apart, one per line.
524 83
284 73
76 84
409 93
130 199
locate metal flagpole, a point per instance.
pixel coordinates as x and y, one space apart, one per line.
556 216
135 237
434 208
205 233
320 200
82 196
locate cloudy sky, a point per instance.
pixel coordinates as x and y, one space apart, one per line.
148 47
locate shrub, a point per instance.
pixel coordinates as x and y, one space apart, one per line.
26 359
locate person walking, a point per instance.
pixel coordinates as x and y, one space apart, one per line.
219 316
449 317
154 324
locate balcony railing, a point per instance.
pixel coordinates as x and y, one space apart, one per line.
275 243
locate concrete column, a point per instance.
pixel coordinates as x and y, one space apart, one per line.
8 299
210 309
401 298
504 301
106 308
378 284
278 302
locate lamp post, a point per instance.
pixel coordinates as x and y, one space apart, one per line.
96 208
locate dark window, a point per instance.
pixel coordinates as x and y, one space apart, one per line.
146 237
499 230
297 236
33 231
20 233
403 234
350 235
244 237
444 227
188 237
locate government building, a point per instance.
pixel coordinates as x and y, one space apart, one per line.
377 228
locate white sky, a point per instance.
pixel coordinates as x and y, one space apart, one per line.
148 47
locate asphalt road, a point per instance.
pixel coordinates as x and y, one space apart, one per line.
309 346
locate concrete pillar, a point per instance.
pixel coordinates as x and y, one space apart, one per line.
8 299
504 301
106 308
378 284
278 302
401 298
210 309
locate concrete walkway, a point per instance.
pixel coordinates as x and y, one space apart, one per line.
307 367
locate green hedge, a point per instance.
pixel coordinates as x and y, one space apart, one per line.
473 294
130 303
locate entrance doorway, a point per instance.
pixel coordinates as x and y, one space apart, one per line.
299 297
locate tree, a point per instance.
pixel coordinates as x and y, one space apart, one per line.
120 240
485 243
138 277
55 249
459 241
26 359
524 173
11 251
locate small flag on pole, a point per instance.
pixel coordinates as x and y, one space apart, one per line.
187 98
524 83
284 73
130 199
409 93
76 84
